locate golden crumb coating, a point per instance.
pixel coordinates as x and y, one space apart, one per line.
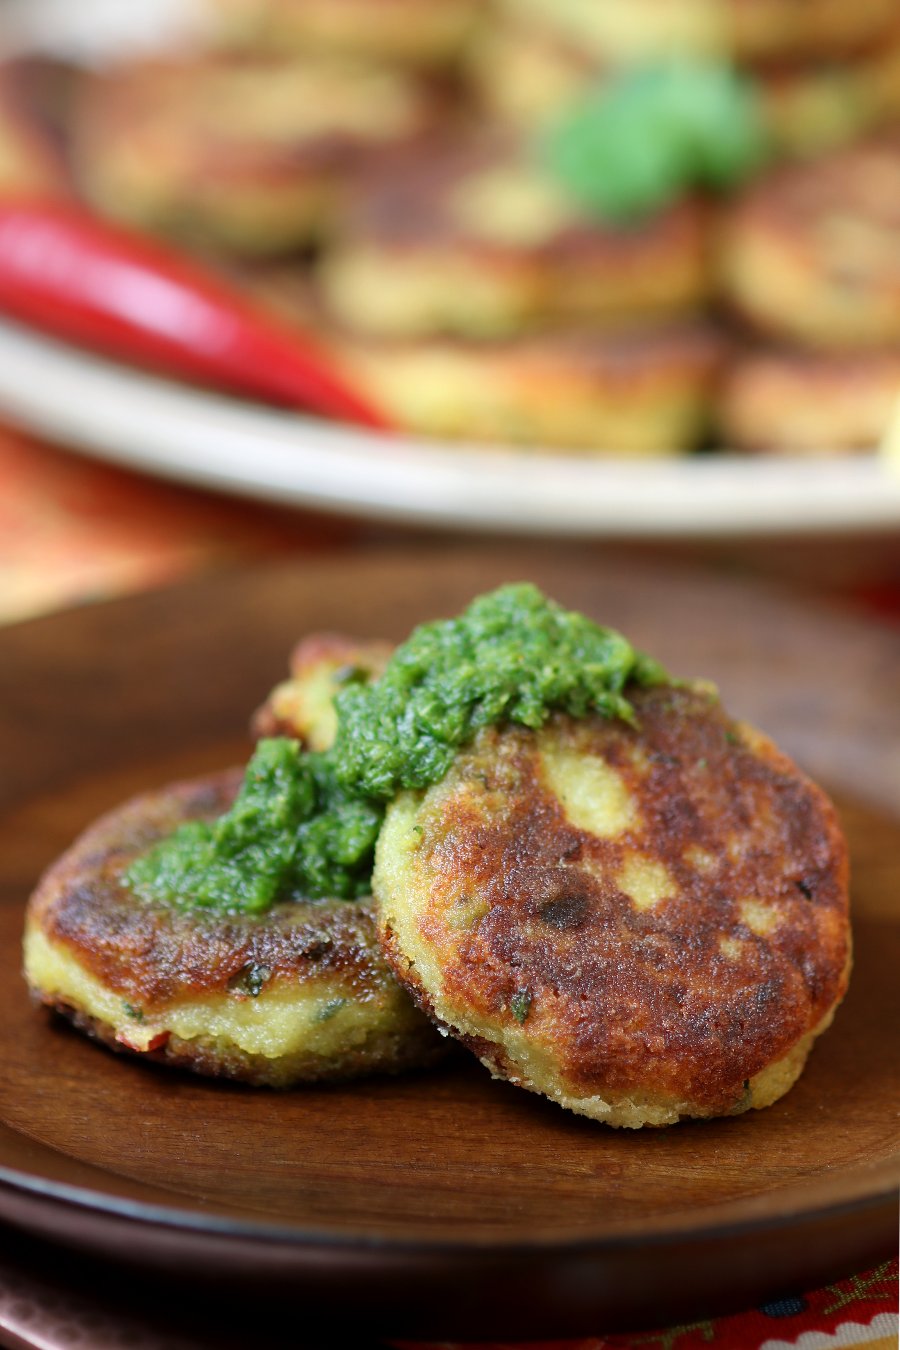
303 705
245 154
414 32
300 993
472 240
807 403
642 923
812 253
749 29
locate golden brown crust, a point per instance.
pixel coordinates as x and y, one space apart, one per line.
629 393
806 403
152 954
812 254
637 390
170 985
763 29
749 29
417 32
812 108
672 980
425 204
523 74
413 1046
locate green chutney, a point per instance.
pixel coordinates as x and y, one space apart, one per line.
304 824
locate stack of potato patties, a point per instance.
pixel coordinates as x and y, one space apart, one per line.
483 304
371 169
243 149
811 263
808 260
826 70
473 300
341 150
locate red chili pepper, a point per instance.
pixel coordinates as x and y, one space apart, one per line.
79 278
155 1042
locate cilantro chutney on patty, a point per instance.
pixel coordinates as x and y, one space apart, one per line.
300 993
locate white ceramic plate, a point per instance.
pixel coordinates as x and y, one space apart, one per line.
165 429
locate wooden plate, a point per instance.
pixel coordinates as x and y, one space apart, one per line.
441 1204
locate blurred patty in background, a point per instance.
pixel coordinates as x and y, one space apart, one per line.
424 33
477 241
244 153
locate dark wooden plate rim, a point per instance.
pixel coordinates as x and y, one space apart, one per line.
878 1202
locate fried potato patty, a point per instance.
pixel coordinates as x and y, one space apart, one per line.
249 155
524 76
414 32
748 29
631 393
303 705
523 73
812 254
642 923
300 993
589 389
806 403
470 240
814 108
811 30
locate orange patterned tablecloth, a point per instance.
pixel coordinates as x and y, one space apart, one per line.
74 530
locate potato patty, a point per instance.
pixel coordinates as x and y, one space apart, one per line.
249 155
303 705
748 29
819 107
642 389
642 923
808 403
812 253
524 75
300 993
470 240
631 393
414 32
